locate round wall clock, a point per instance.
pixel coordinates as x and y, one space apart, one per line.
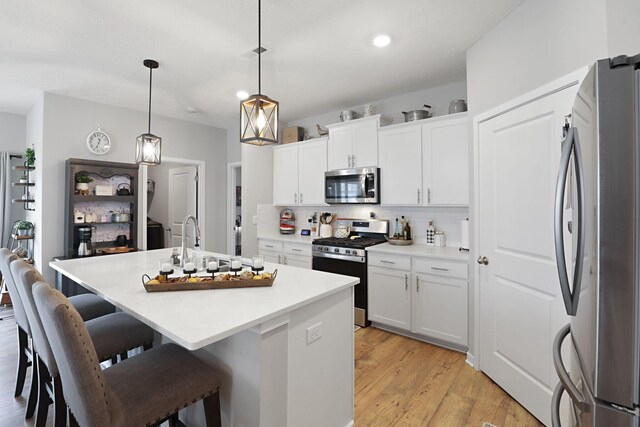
98 142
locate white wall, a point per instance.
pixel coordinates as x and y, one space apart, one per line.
13 133
257 189
438 97
623 31
34 137
67 121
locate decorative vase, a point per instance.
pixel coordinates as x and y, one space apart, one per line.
82 186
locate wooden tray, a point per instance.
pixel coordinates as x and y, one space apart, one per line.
118 250
208 284
399 242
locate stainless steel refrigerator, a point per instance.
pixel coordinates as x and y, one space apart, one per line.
597 241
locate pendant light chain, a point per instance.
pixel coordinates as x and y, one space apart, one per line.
259 47
150 80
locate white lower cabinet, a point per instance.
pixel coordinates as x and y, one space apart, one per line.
294 254
424 296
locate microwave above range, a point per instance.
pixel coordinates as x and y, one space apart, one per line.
359 185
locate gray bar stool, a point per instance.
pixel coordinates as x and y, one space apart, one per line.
111 334
144 390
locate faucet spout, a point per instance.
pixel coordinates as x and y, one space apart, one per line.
184 252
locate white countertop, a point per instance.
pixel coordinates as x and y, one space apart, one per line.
288 238
448 252
195 319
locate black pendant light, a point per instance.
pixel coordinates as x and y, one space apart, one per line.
259 113
147 144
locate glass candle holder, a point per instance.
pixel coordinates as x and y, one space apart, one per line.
190 266
210 264
257 263
235 263
165 266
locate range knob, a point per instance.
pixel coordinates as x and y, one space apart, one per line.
336 250
347 251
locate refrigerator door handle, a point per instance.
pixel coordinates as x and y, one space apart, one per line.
565 379
570 144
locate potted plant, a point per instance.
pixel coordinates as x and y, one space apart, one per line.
30 156
82 182
25 228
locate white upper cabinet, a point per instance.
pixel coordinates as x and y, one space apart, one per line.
401 166
298 173
445 148
312 164
354 143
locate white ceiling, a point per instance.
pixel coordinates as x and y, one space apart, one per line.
320 53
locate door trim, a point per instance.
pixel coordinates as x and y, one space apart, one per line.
202 202
558 85
231 204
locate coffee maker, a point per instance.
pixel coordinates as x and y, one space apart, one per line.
84 246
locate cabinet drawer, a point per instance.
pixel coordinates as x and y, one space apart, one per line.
398 262
438 267
270 245
297 249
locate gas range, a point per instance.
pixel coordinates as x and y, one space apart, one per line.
363 233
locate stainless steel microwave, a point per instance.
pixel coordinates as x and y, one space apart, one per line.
360 185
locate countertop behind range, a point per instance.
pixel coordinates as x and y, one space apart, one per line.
287 238
422 250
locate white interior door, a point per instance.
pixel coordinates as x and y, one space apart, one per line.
521 305
182 202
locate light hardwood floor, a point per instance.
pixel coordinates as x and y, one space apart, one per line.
399 382
405 382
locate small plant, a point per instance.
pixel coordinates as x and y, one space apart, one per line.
25 225
83 179
30 156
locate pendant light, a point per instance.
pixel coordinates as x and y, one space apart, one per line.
259 113
147 144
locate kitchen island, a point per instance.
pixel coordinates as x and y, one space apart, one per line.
275 374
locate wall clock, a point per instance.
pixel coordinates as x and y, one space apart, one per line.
98 142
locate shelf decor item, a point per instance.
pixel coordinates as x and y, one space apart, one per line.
259 113
82 183
30 156
25 228
148 144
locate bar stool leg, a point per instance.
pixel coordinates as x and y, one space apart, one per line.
43 396
33 392
59 404
72 420
212 410
23 362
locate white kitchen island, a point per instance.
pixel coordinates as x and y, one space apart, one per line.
257 336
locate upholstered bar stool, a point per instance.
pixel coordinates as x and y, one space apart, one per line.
144 390
89 306
111 334
25 356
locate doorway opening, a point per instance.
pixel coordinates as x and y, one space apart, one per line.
174 189
234 203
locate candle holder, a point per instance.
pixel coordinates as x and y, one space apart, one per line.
235 264
257 263
165 267
211 265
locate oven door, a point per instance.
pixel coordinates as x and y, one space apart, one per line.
354 269
352 186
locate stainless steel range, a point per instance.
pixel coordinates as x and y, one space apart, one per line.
348 256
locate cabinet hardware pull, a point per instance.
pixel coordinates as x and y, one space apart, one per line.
428 195
418 196
268 246
300 198
439 269
285 260
483 260
279 260
417 284
296 250
384 261
295 197
406 282
353 160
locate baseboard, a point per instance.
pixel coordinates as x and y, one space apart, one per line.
434 341
471 361
351 423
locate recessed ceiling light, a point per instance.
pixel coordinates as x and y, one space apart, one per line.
382 40
242 94
192 110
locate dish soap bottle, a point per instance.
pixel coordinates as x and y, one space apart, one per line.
431 234
397 233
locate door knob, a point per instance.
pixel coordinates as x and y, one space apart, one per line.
483 260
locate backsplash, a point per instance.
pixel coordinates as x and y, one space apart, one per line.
444 219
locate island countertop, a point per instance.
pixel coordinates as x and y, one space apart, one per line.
195 319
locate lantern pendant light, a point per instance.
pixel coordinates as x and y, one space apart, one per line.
259 113
148 144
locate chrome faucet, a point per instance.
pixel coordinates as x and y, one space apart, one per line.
183 254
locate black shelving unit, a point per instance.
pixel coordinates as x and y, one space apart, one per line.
97 170
26 202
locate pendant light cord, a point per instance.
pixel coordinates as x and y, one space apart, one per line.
259 46
150 79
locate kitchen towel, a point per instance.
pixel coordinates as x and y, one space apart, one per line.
464 234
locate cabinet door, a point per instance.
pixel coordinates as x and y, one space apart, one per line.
364 138
298 261
312 164
285 175
274 257
440 308
446 163
339 147
389 297
401 166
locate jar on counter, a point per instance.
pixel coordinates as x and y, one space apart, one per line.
440 239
